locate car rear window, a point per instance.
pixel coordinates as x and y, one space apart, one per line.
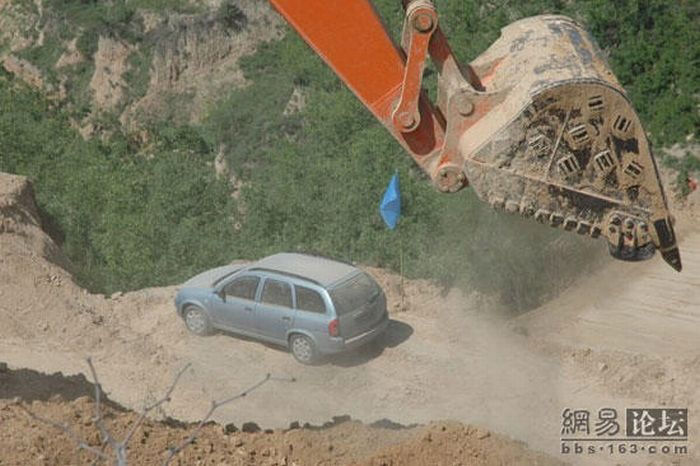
353 293
309 300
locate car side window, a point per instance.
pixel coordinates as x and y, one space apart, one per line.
277 293
243 287
309 300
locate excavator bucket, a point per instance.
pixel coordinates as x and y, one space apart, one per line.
537 125
563 144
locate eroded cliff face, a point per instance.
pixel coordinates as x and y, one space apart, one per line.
19 30
17 26
196 57
142 65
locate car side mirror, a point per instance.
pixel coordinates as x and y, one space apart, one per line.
222 294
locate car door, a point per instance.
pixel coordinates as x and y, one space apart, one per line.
311 311
275 311
235 306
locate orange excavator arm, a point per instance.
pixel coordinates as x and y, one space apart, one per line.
350 37
537 125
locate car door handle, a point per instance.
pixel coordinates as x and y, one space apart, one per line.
247 308
286 318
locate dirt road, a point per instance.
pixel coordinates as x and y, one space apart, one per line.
626 338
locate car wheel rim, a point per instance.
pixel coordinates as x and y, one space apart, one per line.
302 348
195 321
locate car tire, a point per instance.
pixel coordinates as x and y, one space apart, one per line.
196 320
303 349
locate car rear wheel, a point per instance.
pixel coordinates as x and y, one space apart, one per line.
303 349
197 321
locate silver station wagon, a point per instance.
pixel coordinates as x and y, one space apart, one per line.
312 305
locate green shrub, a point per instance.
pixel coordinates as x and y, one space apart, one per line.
231 15
687 166
128 220
312 180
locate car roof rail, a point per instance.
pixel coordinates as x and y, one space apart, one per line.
313 253
286 274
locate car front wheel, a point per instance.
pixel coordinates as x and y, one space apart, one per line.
303 349
197 321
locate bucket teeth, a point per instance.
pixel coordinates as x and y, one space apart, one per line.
498 203
673 258
542 215
583 228
512 207
556 219
628 236
668 245
570 223
527 209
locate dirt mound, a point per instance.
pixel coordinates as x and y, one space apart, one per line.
341 441
38 295
19 216
415 296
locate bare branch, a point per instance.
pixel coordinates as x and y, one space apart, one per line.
214 406
82 444
153 406
103 444
105 435
119 447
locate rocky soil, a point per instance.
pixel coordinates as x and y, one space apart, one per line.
340 441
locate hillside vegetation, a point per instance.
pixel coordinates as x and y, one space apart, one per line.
133 210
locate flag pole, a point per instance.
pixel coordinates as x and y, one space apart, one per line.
396 172
401 269
390 210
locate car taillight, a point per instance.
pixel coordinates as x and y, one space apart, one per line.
333 329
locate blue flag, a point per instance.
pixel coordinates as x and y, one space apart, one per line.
390 207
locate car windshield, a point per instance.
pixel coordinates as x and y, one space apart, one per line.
220 279
353 293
